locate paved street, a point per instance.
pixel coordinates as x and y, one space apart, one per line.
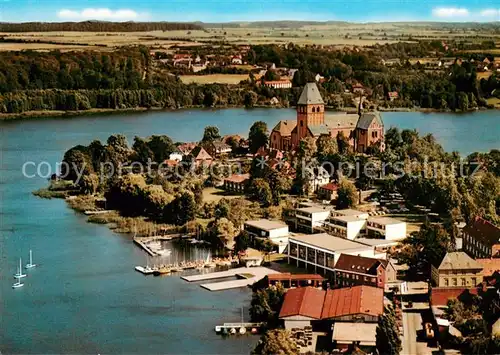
412 319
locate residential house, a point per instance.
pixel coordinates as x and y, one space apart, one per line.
385 228
317 176
328 191
237 60
352 270
308 306
186 148
358 89
278 84
457 269
201 157
481 239
177 156
236 183
393 95
276 231
320 252
217 148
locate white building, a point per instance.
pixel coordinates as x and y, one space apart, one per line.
177 156
277 232
350 227
320 252
350 212
310 218
385 228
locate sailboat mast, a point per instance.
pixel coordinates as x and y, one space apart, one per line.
31 258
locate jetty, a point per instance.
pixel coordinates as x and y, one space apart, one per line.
245 276
238 328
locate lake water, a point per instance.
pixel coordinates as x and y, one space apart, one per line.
85 296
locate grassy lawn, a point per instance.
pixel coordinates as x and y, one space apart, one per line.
213 194
214 78
413 221
494 101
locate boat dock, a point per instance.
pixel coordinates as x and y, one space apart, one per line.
238 328
144 246
246 277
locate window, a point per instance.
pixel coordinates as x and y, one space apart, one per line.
446 282
301 123
473 281
463 281
454 281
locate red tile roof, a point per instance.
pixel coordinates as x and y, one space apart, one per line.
330 187
483 230
441 295
489 266
354 300
287 276
356 263
318 304
303 301
238 178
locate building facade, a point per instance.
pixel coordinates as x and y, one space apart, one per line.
363 130
457 269
354 270
481 239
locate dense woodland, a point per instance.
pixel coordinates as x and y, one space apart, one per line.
96 26
130 78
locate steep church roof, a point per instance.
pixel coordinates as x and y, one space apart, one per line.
310 95
285 127
366 120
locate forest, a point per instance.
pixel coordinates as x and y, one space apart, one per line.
96 26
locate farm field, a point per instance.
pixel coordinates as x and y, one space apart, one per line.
338 34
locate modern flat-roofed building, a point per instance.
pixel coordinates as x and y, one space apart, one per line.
288 280
276 231
385 228
350 212
309 219
346 226
319 252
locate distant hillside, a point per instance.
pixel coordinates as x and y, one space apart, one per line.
96 26
274 24
299 24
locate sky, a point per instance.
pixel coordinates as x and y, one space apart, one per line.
250 10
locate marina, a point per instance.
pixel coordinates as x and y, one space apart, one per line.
245 277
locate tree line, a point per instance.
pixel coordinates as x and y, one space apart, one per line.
97 26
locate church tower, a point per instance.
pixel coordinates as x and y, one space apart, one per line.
310 110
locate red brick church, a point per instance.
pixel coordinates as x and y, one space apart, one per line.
363 130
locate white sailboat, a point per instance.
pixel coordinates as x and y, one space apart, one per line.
20 274
18 283
30 265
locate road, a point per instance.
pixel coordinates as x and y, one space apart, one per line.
412 319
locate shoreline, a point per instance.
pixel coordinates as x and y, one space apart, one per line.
6 117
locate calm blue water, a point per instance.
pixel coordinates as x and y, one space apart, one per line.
86 297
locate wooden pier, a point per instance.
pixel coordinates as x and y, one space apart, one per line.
247 276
